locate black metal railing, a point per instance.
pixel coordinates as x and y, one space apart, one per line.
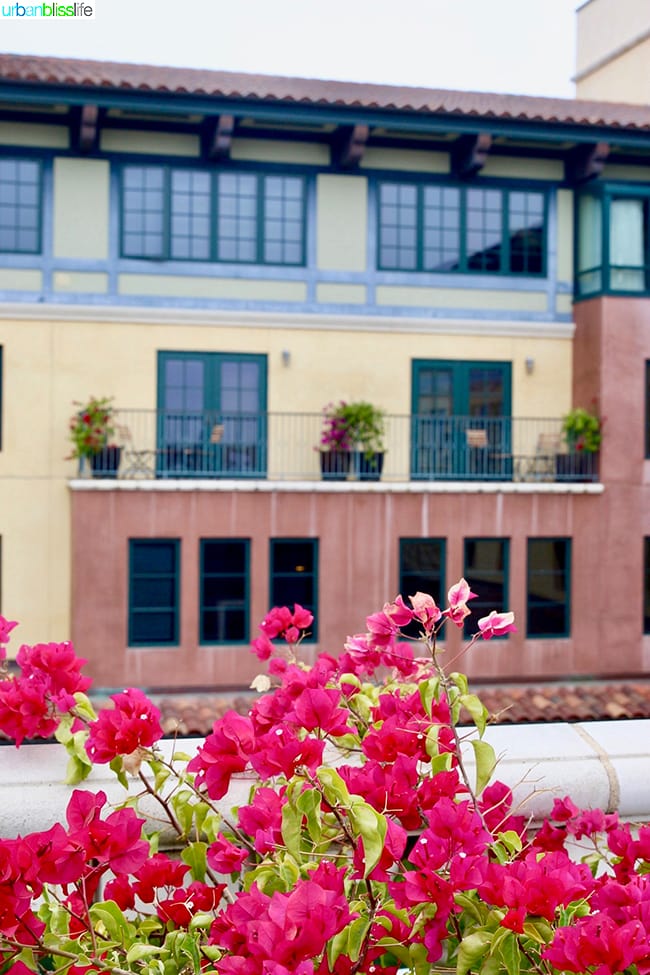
286 446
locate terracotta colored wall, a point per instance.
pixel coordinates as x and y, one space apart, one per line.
358 572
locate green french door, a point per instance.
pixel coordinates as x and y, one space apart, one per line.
211 419
461 420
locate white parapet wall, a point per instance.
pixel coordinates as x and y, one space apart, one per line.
600 764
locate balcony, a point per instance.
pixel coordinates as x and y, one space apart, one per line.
284 447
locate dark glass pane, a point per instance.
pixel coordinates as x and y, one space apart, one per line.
228 626
292 557
421 568
288 590
147 592
646 585
153 557
153 627
548 587
485 572
224 556
223 589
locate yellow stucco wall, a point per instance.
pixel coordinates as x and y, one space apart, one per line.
89 282
198 287
48 366
520 168
31 134
565 235
413 160
81 187
269 150
16 279
158 143
476 298
346 294
341 222
625 79
605 27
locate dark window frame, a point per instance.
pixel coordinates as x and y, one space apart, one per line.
311 605
463 266
598 278
483 605
440 594
173 545
535 634
646 584
262 236
20 208
205 575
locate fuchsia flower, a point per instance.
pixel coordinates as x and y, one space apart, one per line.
458 597
225 751
6 626
497 624
133 723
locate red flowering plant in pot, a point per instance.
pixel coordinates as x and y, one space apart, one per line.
348 824
91 429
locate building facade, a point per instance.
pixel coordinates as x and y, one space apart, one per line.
225 256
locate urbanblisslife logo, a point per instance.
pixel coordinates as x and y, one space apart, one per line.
48 11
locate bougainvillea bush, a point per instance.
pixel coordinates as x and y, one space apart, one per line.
366 841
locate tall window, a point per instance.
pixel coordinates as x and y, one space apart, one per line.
646 585
199 215
20 206
548 587
154 591
224 573
647 408
458 228
486 571
294 575
421 569
613 239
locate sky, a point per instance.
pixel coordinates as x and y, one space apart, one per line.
514 46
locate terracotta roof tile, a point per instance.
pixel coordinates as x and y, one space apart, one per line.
187 714
306 91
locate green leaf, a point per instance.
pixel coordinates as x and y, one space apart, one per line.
309 804
108 914
511 841
117 767
441 763
471 951
477 710
83 707
195 856
291 829
348 941
460 681
539 930
203 920
138 951
485 763
371 827
77 770
511 954
334 788
429 692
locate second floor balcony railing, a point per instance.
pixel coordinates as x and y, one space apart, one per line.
285 447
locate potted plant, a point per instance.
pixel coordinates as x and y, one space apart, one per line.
366 427
582 432
335 444
352 427
91 428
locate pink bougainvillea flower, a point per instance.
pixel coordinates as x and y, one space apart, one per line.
281 622
225 751
25 711
497 624
225 857
6 626
425 610
458 597
57 668
399 612
133 723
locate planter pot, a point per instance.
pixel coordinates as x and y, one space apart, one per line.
579 466
369 466
334 464
106 462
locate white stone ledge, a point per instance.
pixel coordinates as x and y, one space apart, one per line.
600 764
336 487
